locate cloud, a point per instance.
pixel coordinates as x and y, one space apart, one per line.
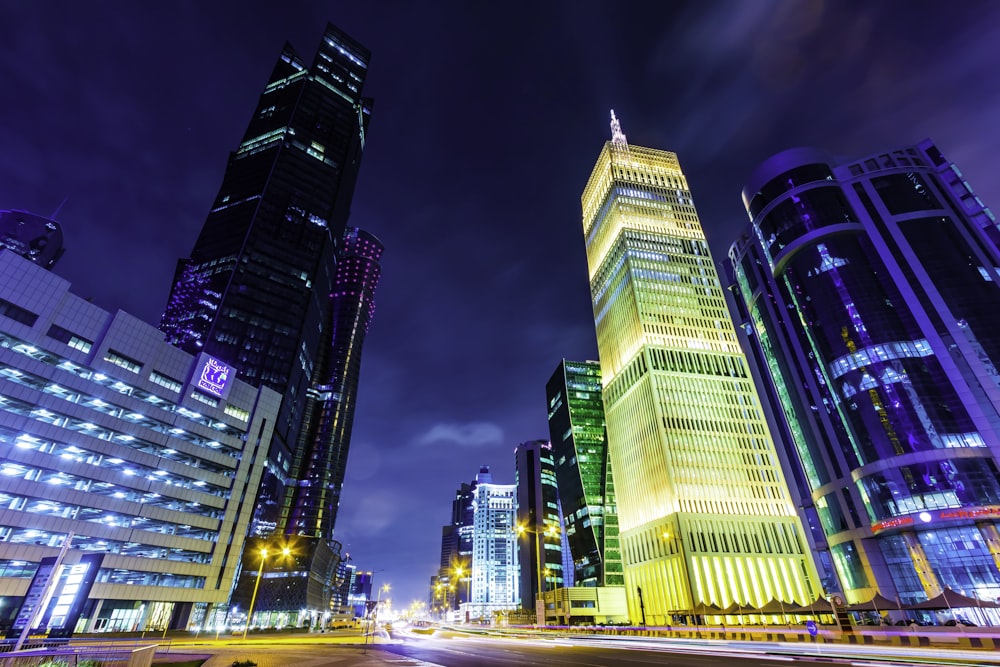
470 434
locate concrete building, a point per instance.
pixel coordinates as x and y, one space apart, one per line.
134 453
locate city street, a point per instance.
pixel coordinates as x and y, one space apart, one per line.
457 650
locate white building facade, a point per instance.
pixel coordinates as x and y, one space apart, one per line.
495 570
144 458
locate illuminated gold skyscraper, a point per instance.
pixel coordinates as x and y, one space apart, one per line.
705 514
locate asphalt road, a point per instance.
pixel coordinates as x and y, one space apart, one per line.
489 651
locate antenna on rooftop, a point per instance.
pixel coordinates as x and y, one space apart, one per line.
617 136
59 208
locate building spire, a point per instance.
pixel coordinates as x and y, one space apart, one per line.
617 136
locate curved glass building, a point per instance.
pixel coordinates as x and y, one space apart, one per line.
870 291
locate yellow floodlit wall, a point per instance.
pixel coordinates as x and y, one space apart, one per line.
705 514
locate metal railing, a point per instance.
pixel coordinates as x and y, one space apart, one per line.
49 653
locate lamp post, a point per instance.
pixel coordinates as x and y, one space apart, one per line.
548 531
374 616
260 571
459 571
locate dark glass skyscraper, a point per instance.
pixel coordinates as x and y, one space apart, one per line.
277 287
539 519
583 472
320 459
256 290
871 293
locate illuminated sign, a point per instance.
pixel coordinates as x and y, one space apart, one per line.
35 596
55 599
898 522
965 513
972 513
69 600
213 376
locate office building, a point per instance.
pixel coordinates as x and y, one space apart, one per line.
450 586
135 453
320 460
255 290
870 292
703 509
539 521
31 236
262 291
583 472
494 585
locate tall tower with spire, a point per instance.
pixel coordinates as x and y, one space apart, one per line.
704 512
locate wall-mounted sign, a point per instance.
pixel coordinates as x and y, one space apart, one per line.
212 376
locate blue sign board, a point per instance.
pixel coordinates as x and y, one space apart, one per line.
811 627
213 376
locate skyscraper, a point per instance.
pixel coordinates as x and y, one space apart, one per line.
456 550
704 511
539 521
320 459
870 289
583 472
494 581
255 290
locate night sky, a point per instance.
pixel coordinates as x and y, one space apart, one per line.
488 119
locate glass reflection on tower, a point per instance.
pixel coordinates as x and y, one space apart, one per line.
870 289
583 472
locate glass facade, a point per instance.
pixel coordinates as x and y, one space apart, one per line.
870 292
253 292
539 521
583 471
320 460
704 510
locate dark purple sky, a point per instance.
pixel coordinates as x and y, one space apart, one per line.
487 121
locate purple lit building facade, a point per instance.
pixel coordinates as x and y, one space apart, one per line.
870 290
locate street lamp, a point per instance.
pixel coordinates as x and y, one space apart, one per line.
460 571
548 531
260 571
374 616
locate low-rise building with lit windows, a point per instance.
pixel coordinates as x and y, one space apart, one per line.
143 457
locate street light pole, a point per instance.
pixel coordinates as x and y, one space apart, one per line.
548 531
253 599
